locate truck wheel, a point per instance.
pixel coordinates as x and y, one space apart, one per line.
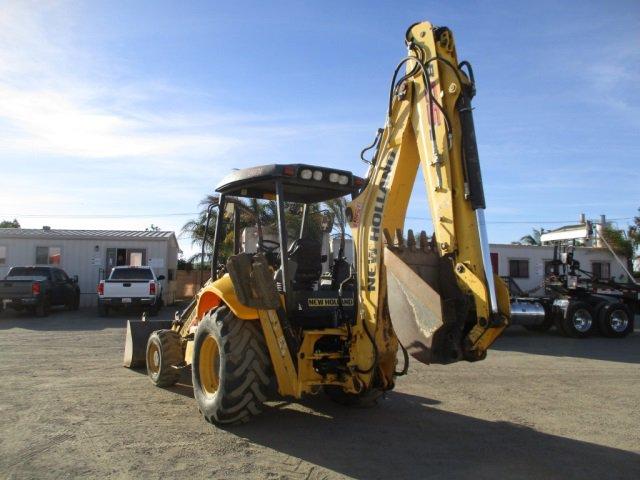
579 321
103 310
231 368
74 304
615 320
164 352
43 309
155 309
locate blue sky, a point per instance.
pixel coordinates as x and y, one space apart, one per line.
137 109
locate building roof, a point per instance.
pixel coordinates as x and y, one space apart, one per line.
85 234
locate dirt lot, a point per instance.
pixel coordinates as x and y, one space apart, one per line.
540 406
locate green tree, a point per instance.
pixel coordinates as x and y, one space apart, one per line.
253 211
532 239
10 223
338 207
633 233
621 244
196 228
152 228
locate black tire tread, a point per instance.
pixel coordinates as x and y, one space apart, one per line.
567 324
603 316
171 356
246 378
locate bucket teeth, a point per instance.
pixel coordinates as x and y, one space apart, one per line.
424 241
411 240
399 240
411 243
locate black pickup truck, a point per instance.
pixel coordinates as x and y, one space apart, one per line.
37 289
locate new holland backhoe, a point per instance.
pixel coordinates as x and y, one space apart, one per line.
273 320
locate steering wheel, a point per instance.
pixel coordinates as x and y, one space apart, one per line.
275 246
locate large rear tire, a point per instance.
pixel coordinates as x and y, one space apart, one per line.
231 368
164 353
615 320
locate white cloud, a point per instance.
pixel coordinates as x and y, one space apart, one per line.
58 100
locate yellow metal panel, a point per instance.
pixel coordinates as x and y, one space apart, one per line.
222 288
279 352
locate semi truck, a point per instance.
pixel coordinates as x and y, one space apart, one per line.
577 302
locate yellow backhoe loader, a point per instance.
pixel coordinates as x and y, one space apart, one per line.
272 319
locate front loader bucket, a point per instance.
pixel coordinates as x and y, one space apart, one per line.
135 345
413 275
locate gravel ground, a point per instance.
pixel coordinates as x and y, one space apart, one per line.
540 406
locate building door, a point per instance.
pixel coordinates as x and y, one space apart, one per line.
112 260
136 257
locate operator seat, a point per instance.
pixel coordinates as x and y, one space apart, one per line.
305 255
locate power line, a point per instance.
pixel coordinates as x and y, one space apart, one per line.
529 222
189 214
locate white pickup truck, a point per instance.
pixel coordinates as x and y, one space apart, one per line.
130 287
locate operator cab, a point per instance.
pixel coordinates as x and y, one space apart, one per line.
297 193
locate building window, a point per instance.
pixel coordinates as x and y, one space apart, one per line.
48 255
3 254
519 268
601 270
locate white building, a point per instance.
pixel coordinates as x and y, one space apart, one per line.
527 264
91 254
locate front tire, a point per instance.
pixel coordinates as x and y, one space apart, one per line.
231 368
164 353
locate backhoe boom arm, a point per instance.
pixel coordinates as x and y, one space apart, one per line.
460 307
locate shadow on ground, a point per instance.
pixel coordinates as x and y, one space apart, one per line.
84 319
517 339
406 437
183 387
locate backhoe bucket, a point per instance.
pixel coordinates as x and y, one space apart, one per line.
138 333
413 274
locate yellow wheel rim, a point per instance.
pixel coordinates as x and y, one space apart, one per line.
153 358
209 365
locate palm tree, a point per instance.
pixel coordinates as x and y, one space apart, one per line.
532 239
337 207
196 228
